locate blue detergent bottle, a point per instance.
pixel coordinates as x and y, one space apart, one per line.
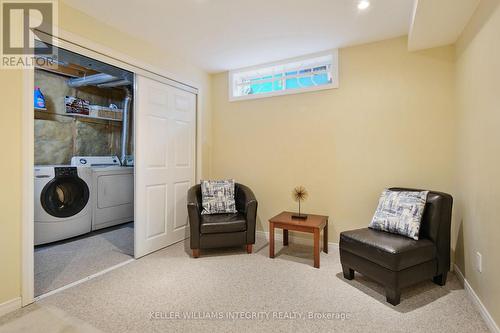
39 99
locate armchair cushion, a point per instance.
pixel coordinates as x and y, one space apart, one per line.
400 212
391 251
222 223
218 196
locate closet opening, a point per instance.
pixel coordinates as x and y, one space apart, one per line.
83 169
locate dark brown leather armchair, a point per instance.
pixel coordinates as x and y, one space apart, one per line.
396 261
222 230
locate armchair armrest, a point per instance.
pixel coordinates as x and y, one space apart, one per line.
246 203
194 213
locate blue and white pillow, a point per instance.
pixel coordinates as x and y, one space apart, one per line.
217 197
400 212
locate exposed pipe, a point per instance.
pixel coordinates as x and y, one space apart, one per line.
91 80
118 83
126 108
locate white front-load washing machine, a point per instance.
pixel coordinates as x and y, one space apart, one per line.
62 202
112 190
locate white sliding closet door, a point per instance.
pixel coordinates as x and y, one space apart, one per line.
164 163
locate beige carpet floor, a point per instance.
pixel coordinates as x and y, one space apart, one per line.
62 263
224 289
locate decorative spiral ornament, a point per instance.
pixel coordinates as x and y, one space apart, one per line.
300 193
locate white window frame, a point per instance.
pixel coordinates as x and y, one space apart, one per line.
333 85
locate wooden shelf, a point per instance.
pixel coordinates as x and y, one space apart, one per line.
89 117
73 115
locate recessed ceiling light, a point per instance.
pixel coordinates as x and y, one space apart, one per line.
363 4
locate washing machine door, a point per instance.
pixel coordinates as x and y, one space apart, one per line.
65 195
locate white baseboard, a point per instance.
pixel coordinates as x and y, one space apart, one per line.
10 306
278 236
459 274
490 322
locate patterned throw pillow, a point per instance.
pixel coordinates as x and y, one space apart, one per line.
218 196
400 212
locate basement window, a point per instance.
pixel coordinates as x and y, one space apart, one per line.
292 76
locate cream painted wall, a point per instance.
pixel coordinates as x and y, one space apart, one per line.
391 123
478 152
11 89
10 178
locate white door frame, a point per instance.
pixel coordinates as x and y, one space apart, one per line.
78 44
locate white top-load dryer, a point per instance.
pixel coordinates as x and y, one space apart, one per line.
62 202
112 190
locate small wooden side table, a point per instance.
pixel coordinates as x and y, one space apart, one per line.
313 224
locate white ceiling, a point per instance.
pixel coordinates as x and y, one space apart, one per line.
437 23
219 35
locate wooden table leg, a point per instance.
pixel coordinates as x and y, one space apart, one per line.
271 240
316 247
285 237
325 238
